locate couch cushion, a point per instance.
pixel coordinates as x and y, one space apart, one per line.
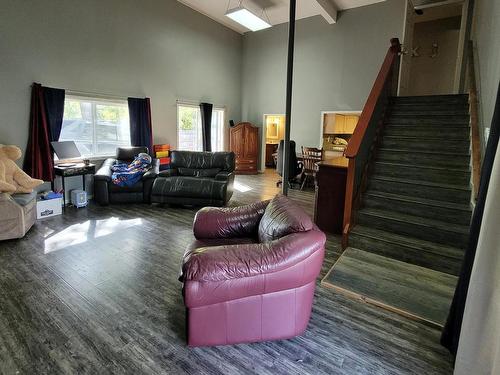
189 187
194 172
282 217
127 154
24 199
136 188
203 160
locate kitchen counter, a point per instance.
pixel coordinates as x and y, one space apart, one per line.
339 162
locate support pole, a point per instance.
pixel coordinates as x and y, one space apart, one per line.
288 112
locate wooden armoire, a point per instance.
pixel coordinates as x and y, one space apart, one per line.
244 142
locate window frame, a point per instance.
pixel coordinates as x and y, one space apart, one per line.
197 106
98 100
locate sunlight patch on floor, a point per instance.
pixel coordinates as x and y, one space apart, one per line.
88 230
242 188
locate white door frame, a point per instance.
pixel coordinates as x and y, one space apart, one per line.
263 140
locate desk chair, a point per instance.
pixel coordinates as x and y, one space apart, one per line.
294 166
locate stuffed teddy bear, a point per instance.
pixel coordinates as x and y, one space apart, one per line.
12 178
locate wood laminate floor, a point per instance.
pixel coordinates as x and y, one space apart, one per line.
95 291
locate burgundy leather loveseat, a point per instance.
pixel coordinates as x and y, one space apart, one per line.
251 273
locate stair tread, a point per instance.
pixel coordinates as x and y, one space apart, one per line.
408 241
451 96
430 167
425 201
407 289
429 126
440 153
415 138
417 220
423 183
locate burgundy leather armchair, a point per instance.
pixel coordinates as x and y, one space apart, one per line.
250 274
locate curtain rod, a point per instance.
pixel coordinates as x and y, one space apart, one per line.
196 103
98 94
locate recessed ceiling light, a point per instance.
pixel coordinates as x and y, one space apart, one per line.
248 19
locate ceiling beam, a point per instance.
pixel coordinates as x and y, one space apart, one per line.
328 10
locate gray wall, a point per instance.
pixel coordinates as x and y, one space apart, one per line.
335 66
486 36
155 48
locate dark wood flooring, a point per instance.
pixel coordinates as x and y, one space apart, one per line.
413 291
96 291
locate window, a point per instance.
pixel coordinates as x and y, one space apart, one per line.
189 131
97 126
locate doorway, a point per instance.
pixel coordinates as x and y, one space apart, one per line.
274 132
433 48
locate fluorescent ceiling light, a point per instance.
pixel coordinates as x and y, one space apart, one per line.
248 19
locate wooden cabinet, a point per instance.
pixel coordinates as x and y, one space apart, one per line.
244 142
337 123
350 123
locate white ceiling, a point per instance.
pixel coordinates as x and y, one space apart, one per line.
277 10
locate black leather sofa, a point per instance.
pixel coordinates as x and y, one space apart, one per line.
105 192
196 178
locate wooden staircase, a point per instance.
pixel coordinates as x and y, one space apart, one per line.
408 239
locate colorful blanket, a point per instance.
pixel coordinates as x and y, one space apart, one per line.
129 174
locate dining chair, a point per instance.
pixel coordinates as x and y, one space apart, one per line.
311 156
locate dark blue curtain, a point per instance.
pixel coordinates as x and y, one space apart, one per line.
54 106
206 125
141 129
451 332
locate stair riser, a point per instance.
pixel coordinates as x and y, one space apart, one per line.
448 215
426 145
422 174
427 233
424 133
428 112
451 161
412 119
429 192
405 254
431 99
464 107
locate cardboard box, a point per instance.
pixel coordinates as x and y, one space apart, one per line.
48 208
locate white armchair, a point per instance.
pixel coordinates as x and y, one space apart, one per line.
17 214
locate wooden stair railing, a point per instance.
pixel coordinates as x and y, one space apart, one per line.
361 146
474 122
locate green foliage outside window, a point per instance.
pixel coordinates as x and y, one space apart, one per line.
72 110
187 115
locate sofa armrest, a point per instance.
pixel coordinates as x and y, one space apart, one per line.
220 263
104 173
153 172
168 173
224 176
227 222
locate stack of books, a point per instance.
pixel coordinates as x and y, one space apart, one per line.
162 152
